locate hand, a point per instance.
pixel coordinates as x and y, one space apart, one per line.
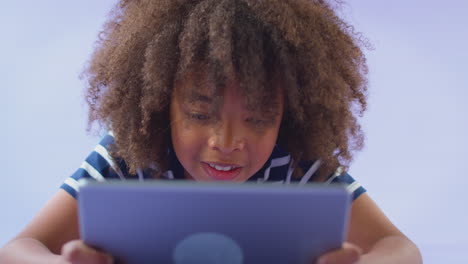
348 254
77 252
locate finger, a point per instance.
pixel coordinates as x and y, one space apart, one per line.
348 254
77 252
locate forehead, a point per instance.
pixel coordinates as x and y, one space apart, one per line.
201 90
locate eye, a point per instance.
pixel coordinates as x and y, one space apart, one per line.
256 121
198 116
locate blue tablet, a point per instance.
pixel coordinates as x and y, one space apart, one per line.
188 222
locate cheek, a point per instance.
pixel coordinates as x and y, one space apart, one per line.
183 135
188 142
262 147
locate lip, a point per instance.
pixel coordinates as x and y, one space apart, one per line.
223 164
221 175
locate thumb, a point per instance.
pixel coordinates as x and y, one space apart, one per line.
347 254
77 252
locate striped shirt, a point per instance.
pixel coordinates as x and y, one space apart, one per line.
99 165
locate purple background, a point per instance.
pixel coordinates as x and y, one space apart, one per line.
414 162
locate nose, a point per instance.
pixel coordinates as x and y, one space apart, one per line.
226 139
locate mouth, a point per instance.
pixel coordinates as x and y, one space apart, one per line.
221 172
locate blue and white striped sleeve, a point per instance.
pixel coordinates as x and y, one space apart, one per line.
338 177
99 166
342 177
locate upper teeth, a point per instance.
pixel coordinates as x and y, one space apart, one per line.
222 168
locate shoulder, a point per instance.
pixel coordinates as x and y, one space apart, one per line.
344 178
99 165
280 168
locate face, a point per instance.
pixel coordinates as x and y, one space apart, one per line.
230 145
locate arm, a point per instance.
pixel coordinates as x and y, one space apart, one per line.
44 236
377 236
393 249
49 234
373 233
28 250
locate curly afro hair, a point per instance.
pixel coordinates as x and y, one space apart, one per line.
146 46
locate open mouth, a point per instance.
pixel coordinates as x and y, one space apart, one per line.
221 173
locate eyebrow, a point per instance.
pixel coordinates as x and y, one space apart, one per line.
197 97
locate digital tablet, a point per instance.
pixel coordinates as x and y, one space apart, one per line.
185 222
